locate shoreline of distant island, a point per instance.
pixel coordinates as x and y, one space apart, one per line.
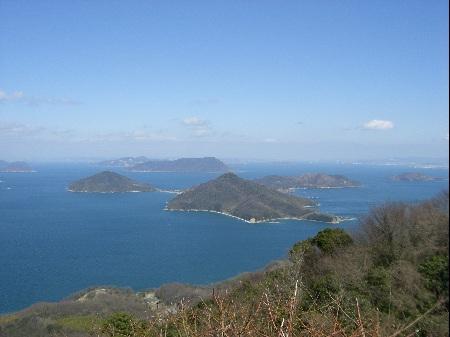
340 219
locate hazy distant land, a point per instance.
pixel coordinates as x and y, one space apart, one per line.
308 180
414 177
206 164
15 167
124 162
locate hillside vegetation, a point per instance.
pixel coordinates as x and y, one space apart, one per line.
389 279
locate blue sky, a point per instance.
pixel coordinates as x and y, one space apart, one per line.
291 80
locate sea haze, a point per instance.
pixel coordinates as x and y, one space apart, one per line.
54 243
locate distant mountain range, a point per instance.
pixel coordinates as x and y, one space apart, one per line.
17 166
206 164
109 182
414 176
309 180
247 200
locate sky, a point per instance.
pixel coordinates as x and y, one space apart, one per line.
275 80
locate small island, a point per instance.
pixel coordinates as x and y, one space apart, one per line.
413 177
308 180
249 201
206 164
109 182
124 162
15 167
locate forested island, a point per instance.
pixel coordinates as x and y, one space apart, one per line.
308 180
109 182
246 200
205 164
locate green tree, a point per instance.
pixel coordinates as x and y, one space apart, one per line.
330 239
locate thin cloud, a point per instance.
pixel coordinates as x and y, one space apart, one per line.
11 97
18 129
197 126
194 121
378 124
134 135
20 97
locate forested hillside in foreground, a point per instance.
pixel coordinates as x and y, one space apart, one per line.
390 279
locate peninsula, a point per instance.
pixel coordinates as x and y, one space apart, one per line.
249 201
308 180
109 182
206 164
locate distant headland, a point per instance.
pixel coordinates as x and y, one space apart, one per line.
247 200
109 182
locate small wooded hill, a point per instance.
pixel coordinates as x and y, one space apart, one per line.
247 200
109 182
308 180
206 164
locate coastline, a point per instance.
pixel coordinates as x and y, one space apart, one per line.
111 192
271 220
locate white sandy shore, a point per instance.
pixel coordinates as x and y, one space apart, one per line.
156 190
274 220
69 190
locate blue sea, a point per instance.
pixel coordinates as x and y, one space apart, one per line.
54 243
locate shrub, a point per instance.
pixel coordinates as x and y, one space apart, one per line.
121 324
329 240
435 271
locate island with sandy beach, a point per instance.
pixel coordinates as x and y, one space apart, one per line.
246 200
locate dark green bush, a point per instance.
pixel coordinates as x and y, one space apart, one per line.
121 324
379 287
331 239
435 271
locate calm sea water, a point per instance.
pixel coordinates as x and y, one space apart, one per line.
53 243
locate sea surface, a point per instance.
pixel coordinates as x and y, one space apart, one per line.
54 243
